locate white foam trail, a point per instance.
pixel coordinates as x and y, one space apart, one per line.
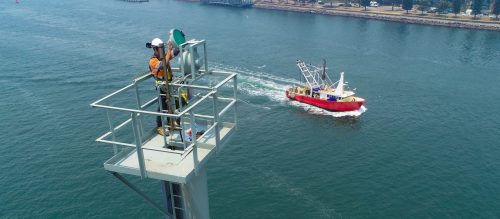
319 111
257 83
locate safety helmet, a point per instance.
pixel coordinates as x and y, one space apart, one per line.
156 42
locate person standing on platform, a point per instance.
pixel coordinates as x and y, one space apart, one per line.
156 68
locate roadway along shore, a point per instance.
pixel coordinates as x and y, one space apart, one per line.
399 16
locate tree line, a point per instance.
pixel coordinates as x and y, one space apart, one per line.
454 6
442 6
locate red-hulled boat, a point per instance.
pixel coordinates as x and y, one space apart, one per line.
319 90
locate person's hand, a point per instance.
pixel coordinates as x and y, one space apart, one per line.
169 46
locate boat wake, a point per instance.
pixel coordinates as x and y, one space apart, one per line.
258 83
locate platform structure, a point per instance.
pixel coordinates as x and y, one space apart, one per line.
202 127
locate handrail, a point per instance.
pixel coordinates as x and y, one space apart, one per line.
223 99
134 110
192 86
155 99
116 142
107 134
196 43
202 116
122 124
112 94
199 101
143 109
216 72
143 77
209 130
114 129
225 81
223 111
95 104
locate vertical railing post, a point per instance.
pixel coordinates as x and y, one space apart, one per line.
112 130
194 140
179 100
193 63
138 101
183 126
216 120
181 60
138 145
235 92
205 56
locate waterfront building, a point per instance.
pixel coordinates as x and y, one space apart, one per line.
236 3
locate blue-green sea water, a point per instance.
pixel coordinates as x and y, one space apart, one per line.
427 146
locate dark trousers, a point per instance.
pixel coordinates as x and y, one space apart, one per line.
164 106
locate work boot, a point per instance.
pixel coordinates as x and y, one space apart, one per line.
161 131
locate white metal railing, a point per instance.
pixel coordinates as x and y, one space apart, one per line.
187 113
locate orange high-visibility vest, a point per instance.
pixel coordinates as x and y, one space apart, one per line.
154 67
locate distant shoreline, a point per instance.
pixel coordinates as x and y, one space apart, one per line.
493 26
